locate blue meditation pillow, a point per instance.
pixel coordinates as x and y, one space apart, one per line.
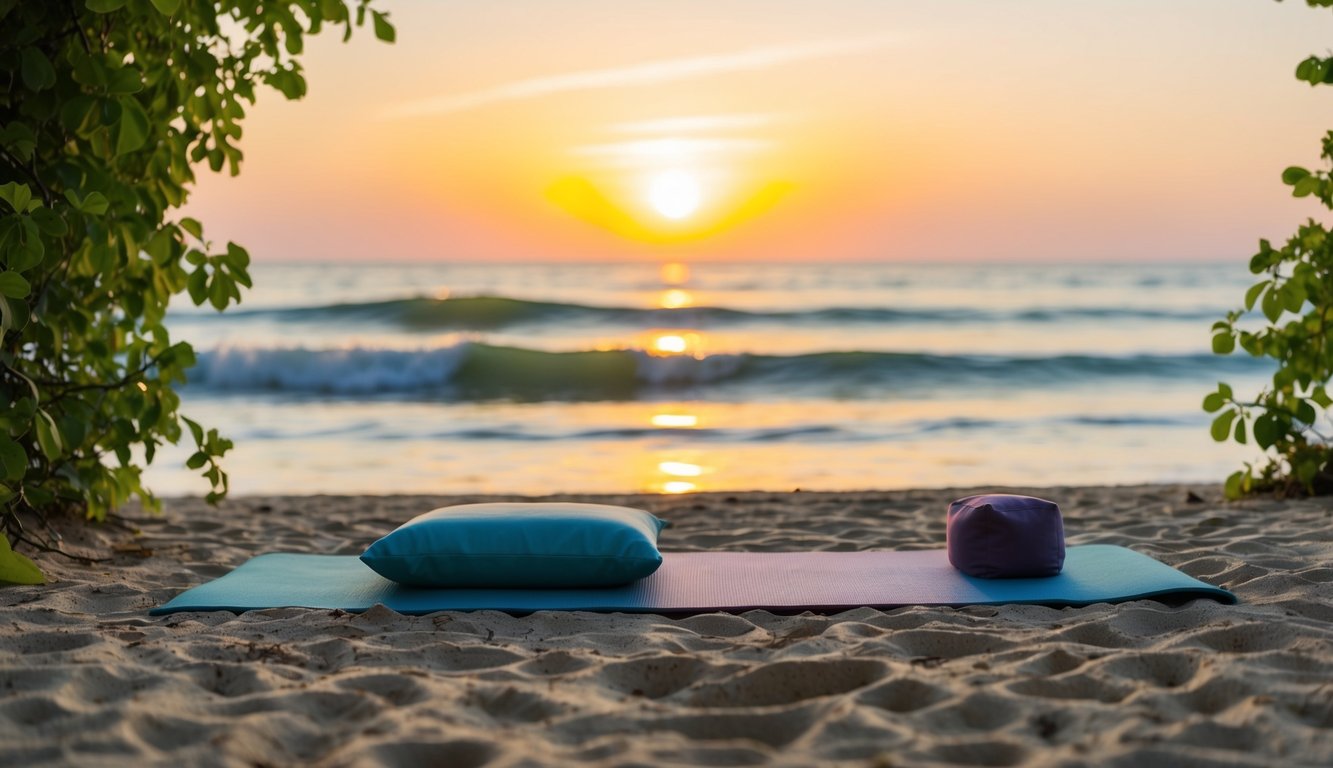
520 545
999 536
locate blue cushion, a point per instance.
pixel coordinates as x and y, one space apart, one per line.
1001 536
523 545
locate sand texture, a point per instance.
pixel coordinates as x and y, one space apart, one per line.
87 678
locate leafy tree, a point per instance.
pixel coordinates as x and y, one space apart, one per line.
106 107
1295 295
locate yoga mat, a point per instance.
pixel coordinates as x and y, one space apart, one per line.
703 582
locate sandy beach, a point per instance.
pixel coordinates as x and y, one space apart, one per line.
87 678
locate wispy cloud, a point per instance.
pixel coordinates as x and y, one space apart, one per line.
672 147
655 152
697 124
648 73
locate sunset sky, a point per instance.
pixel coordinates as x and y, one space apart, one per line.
593 130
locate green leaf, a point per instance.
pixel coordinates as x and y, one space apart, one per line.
1253 294
1294 174
19 415
17 195
95 204
125 81
1233 488
288 81
198 286
1292 296
48 436
1272 307
218 294
1317 71
383 29
1262 259
1213 402
1305 412
6 317
149 418
161 247
1267 430
167 7
104 6
111 111
50 222
1305 187
1306 68
30 255
13 316
181 355
197 460
132 130
19 139
10 229
196 431
1222 426
1223 343
36 70
13 460
1306 469
1240 431
17 569
193 227
13 285
1321 398
237 257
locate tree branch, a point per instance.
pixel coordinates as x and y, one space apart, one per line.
124 380
30 171
43 547
74 17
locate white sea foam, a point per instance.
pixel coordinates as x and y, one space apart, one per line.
351 371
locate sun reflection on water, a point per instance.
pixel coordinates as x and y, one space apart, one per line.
670 343
678 474
666 476
675 273
675 343
675 298
680 468
675 420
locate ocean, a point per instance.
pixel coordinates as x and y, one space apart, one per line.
644 377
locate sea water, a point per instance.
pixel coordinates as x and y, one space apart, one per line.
647 377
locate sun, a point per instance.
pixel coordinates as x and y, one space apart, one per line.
674 194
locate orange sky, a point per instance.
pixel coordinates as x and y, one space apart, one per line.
873 130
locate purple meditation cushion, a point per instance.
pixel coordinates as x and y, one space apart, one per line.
999 536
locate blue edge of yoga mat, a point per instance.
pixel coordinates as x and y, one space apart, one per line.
704 582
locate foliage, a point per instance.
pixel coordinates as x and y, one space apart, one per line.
105 107
1295 296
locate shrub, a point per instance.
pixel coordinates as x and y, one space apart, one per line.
1295 296
107 105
